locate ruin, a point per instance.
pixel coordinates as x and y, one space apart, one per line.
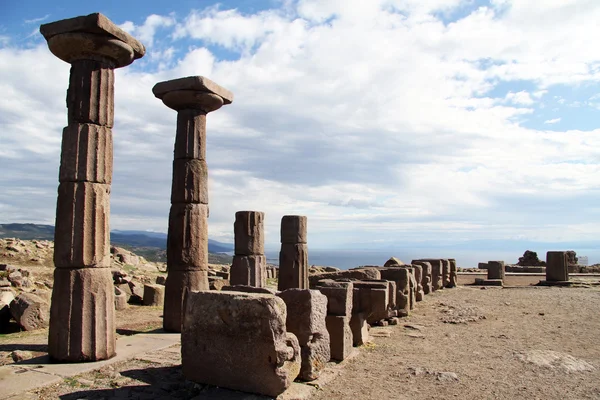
420 292
453 274
445 272
293 257
339 312
495 270
557 266
436 272
193 98
82 320
247 348
249 262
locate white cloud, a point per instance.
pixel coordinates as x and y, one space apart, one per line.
378 125
37 20
552 121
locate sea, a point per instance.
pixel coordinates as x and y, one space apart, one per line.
346 259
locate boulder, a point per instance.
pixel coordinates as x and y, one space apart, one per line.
121 299
6 297
30 311
154 295
393 261
239 341
306 312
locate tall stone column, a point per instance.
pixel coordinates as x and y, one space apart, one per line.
293 257
249 265
193 98
82 320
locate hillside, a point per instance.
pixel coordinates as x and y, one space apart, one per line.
150 245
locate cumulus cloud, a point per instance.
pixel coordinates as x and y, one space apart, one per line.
383 119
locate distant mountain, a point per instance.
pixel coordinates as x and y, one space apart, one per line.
134 239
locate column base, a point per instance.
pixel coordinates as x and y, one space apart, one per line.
178 284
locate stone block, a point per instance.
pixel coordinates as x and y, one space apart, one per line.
190 181
372 301
420 291
82 315
239 341
413 289
90 98
340 336
294 229
361 274
121 299
293 266
249 270
339 299
306 312
30 311
445 272
179 284
248 289
87 154
6 297
495 270
393 262
249 233
154 295
161 280
437 274
401 277
187 240
557 266
482 265
95 23
81 236
359 328
217 283
190 140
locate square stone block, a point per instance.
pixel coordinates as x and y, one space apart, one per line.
339 299
340 336
87 154
557 266
187 240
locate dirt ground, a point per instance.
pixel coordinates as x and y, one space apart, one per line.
466 343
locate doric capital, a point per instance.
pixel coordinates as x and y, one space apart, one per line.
92 37
192 93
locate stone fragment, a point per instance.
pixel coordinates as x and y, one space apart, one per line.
360 328
495 270
453 273
482 265
82 315
445 272
249 270
87 154
6 297
30 311
190 181
340 336
21 355
401 276
557 266
249 233
248 289
294 229
154 295
393 261
413 288
339 299
82 231
306 312
161 280
420 292
293 266
121 299
187 239
370 300
179 284
362 274
218 283
437 274
239 341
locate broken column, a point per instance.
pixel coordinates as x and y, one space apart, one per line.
339 312
239 341
453 273
445 272
82 319
418 271
425 277
293 257
495 270
436 272
306 313
249 262
193 98
557 266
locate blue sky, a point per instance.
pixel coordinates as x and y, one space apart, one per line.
387 122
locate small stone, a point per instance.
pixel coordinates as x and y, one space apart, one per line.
414 327
21 355
381 333
446 376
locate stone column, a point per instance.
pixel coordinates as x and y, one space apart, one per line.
453 274
249 262
557 266
193 98
293 257
495 270
82 319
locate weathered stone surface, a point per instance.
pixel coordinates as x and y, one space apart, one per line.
361 274
6 297
445 272
557 266
418 271
189 99
81 236
179 284
249 233
190 181
121 299
95 23
426 277
371 300
340 336
436 272
392 261
248 289
495 270
239 341
401 276
413 289
198 84
30 311
218 283
190 140
360 328
87 154
306 312
187 240
78 46
249 270
453 274
161 280
339 299
154 295
82 315
294 229
293 266
90 98
482 265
